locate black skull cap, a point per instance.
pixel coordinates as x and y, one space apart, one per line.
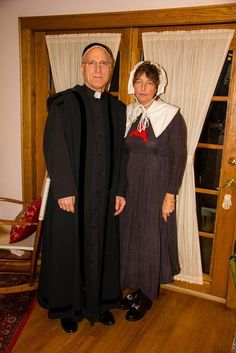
91 45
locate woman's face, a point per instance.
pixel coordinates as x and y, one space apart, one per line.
144 89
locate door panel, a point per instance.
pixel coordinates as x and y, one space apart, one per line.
225 221
211 175
216 145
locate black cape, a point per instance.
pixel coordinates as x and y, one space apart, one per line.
83 143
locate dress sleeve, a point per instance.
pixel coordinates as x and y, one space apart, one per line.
56 155
177 133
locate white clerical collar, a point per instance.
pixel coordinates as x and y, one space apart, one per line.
97 94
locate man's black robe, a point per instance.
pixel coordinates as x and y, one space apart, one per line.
83 142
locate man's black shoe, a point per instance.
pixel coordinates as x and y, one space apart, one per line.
138 310
129 300
106 318
69 325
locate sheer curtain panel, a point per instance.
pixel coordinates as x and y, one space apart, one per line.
193 61
65 52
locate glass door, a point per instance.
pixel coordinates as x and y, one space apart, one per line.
215 173
215 178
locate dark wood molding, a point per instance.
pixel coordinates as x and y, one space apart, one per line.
225 13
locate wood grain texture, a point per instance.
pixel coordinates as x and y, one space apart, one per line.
177 323
224 13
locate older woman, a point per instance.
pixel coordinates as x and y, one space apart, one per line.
155 142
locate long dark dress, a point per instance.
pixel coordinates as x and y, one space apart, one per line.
80 258
149 254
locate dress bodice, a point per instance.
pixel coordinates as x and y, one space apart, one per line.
141 143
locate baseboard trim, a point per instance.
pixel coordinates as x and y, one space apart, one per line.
194 293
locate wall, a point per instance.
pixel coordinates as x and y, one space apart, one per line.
10 10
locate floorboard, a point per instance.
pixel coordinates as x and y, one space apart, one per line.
176 323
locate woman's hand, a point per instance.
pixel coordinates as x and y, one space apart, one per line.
119 205
168 206
67 203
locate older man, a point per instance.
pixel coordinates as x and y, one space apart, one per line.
82 146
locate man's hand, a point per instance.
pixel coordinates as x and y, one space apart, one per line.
67 204
120 204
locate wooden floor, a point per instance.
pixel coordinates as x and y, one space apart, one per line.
177 323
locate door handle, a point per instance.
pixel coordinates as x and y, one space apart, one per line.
232 161
229 182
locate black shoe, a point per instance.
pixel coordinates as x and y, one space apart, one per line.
106 318
138 310
129 300
69 325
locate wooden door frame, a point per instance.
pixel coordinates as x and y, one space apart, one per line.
34 57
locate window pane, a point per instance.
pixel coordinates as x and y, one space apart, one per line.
206 212
222 87
114 87
214 126
51 87
207 164
206 251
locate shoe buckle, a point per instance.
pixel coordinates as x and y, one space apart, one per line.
136 306
129 297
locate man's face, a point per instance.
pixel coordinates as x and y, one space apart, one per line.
96 68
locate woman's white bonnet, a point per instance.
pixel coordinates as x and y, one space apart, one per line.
162 78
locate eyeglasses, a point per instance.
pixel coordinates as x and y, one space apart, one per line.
93 64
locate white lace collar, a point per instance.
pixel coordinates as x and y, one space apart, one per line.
159 114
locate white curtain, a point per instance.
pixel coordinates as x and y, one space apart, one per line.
193 61
65 55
